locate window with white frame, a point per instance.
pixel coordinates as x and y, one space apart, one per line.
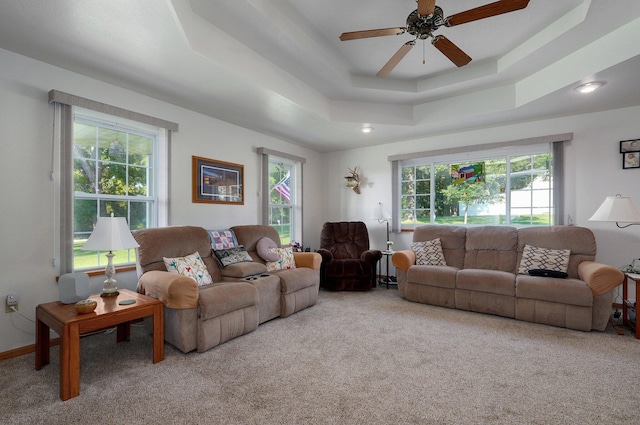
282 194
115 171
282 197
507 186
112 160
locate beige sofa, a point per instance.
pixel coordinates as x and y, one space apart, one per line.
481 275
242 296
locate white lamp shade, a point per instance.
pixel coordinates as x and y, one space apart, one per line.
110 234
380 213
617 209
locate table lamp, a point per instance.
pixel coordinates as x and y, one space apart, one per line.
110 234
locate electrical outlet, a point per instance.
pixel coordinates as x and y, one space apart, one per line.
11 303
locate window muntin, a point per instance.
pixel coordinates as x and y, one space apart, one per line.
516 189
114 172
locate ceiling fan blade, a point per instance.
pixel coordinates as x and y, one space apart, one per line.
486 11
395 59
450 50
426 7
354 35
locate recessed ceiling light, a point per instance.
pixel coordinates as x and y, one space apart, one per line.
367 129
589 87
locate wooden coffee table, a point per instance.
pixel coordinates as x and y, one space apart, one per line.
67 323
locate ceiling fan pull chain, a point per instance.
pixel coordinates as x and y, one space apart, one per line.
423 52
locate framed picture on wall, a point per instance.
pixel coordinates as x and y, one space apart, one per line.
217 182
631 160
630 145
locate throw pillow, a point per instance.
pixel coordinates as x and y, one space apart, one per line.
429 253
285 260
191 266
544 258
222 239
232 255
264 247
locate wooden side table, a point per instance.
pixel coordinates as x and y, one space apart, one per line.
629 278
67 323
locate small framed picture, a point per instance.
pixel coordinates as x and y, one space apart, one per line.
630 145
631 160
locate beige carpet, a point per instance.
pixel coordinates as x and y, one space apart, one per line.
354 358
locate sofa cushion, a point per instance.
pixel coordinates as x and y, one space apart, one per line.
580 240
173 241
191 266
429 253
265 251
223 298
293 280
452 239
440 276
285 260
563 291
543 258
232 255
489 281
243 269
249 235
491 248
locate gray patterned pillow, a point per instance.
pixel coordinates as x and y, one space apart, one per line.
233 255
429 253
544 258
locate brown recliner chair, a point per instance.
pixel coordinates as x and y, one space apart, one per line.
347 262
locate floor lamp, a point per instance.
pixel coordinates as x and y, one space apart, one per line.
618 209
381 214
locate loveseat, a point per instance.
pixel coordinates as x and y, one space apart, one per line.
240 296
484 271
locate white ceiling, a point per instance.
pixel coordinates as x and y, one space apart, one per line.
278 67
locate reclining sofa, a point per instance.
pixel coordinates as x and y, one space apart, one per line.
241 296
483 272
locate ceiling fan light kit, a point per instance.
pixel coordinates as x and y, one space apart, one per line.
427 18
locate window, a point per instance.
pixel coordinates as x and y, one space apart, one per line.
513 188
114 167
282 194
114 172
282 199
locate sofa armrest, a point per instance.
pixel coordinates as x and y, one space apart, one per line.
327 256
371 256
403 259
601 278
174 290
310 260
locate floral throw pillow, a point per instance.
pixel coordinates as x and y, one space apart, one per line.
544 258
191 266
429 253
233 255
285 262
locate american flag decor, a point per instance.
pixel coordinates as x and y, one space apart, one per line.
283 188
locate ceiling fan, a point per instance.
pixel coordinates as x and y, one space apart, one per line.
427 18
